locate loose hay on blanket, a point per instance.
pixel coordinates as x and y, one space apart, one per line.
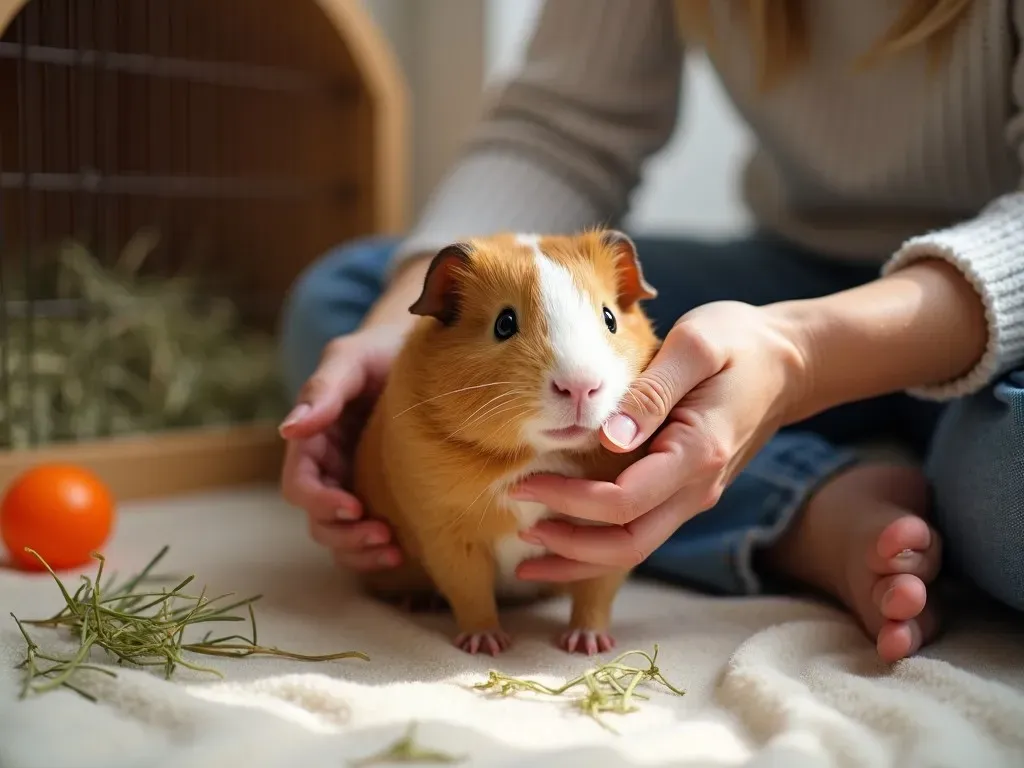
139 626
103 351
406 750
610 687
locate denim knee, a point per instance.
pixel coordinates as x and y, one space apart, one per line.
328 299
976 467
716 550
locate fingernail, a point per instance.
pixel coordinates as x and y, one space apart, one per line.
375 539
296 415
621 430
530 538
344 513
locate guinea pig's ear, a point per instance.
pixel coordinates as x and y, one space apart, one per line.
440 298
632 285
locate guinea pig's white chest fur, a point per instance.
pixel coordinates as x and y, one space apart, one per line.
510 550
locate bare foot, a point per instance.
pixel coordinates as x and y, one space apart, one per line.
863 539
586 641
492 641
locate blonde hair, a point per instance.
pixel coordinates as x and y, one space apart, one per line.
778 32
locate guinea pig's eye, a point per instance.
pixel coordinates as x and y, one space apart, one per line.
609 320
506 326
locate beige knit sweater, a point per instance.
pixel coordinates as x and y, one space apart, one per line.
886 166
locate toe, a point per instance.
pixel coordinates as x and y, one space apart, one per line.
570 640
900 639
900 597
586 641
907 532
491 642
897 640
907 545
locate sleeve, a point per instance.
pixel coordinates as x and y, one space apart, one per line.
561 146
989 251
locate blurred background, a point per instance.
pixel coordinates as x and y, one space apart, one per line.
168 167
447 83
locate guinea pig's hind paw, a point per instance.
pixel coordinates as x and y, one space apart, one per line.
586 641
492 641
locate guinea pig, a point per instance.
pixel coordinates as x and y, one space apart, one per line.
525 346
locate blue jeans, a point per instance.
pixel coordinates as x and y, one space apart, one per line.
971 448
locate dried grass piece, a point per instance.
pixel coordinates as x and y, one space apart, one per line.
141 627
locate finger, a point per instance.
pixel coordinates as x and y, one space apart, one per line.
331 463
643 486
302 486
369 560
595 500
557 569
682 456
685 359
618 546
610 545
352 537
340 377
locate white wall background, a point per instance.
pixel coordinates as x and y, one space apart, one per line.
451 48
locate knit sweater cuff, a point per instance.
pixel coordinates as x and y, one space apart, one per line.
989 251
495 191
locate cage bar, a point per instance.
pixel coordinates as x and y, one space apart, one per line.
253 135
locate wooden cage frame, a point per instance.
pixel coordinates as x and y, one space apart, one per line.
189 460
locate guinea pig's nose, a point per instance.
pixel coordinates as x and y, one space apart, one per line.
579 388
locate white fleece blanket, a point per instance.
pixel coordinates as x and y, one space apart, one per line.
770 682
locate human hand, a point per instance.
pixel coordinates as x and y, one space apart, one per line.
723 383
321 434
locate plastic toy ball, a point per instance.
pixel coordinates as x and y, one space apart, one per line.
63 512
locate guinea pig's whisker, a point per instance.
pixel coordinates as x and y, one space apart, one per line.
452 392
483 515
499 408
512 424
497 397
495 409
465 512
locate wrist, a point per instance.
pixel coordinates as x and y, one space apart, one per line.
920 326
793 354
392 308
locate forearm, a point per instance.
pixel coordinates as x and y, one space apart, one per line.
920 326
392 308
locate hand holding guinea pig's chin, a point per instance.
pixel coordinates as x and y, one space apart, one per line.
320 433
724 381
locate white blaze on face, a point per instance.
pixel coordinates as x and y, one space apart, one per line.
579 342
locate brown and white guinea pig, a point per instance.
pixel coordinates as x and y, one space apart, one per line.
526 346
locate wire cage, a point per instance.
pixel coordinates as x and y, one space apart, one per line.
167 168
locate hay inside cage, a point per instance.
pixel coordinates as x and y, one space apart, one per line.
260 134
102 352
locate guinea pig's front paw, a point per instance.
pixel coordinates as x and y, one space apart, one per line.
586 641
492 641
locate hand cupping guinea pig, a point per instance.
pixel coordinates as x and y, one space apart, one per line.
525 347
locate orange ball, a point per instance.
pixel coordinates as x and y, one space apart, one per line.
63 512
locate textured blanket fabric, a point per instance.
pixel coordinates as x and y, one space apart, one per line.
769 681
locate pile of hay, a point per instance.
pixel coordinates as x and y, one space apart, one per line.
132 354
